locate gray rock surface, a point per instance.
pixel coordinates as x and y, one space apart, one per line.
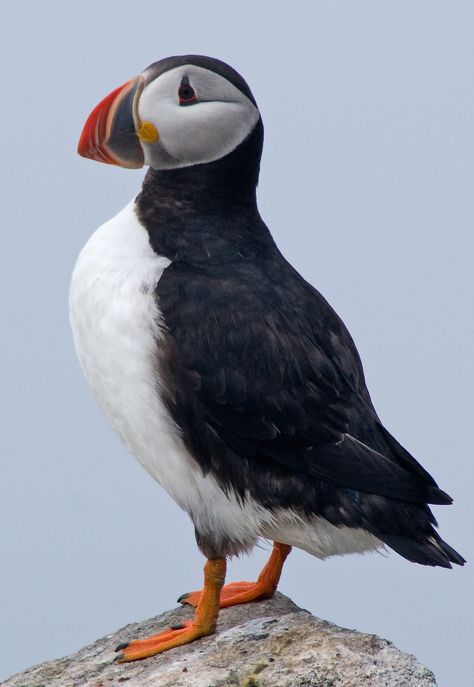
266 644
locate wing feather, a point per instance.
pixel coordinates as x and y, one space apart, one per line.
276 377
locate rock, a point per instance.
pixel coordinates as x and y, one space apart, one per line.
271 643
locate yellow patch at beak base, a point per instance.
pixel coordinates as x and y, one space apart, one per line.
148 132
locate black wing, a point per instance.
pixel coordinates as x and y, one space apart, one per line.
259 367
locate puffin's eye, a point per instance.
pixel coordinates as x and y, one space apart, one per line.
186 93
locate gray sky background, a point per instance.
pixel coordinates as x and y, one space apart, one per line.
367 186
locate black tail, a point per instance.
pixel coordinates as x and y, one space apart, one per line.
431 551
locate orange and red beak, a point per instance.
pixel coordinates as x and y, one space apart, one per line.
110 132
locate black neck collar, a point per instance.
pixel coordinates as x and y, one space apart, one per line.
188 210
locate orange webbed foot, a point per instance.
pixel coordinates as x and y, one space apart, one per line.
204 622
177 635
232 594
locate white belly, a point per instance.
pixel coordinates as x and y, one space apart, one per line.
117 327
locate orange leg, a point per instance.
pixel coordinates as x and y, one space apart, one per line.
243 592
204 622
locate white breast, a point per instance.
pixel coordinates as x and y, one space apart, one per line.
116 323
117 327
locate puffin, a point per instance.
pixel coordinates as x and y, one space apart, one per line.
227 375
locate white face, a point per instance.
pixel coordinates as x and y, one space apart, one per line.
207 129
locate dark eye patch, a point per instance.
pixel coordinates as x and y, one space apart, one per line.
186 93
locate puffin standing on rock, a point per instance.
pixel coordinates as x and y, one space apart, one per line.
227 375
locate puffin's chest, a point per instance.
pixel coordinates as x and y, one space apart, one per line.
117 327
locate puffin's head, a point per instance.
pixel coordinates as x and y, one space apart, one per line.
180 111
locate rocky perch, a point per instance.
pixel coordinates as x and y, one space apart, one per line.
271 643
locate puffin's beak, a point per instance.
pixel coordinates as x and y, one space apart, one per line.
110 132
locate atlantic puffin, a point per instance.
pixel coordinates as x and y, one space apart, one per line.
229 377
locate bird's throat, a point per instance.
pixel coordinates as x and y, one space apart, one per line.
197 212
